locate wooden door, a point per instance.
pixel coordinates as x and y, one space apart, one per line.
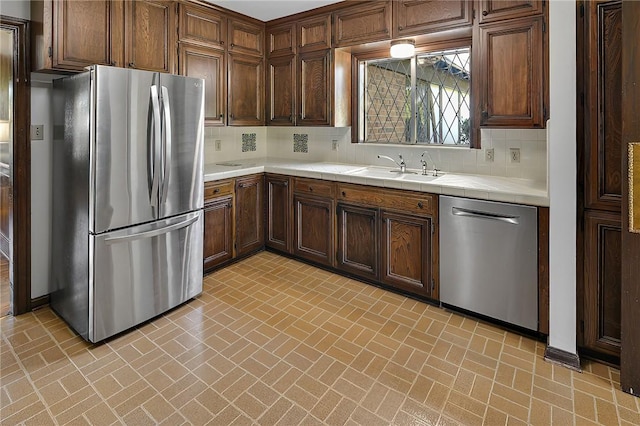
600 179
314 228
411 17
630 352
602 278
314 33
200 25
496 10
245 79
208 64
512 74
278 212
406 252
314 83
82 34
246 37
249 209
149 35
358 240
363 23
281 80
218 232
281 40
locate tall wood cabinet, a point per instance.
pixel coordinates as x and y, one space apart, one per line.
600 178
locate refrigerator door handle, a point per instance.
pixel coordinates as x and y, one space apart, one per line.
152 233
167 143
153 155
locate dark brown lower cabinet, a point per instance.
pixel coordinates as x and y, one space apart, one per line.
358 240
218 232
278 212
602 279
314 225
406 252
249 218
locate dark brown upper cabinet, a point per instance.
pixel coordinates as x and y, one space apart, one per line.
149 35
245 82
281 40
497 10
201 25
416 17
512 73
69 35
314 33
245 37
208 64
362 23
281 91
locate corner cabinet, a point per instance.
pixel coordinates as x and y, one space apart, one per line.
513 73
249 222
278 212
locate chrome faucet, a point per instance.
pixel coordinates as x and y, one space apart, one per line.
424 164
401 164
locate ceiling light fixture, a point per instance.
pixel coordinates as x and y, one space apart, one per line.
402 48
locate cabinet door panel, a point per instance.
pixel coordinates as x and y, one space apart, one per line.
358 240
246 94
496 10
281 40
314 33
207 64
82 34
362 24
281 91
279 213
603 153
202 26
602 282
314 229
249 231
406 252
218 232
246 37
314 97
512 73
415 17
149 35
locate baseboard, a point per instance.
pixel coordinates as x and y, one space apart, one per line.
563 358
39 302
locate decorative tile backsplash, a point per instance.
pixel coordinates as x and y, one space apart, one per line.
300 142
248 142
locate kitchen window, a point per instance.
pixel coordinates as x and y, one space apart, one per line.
425 99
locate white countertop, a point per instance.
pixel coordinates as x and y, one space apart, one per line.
512 190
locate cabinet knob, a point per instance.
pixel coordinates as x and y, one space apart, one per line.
344 194
221 42
400 28
310 189
215 191
113 63
420 204
286 183
132 65
232 44
485 13
221 115
231 116
229 205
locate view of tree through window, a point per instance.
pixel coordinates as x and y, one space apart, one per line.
421 100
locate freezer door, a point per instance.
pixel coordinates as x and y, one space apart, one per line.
141 272
127 126
182 103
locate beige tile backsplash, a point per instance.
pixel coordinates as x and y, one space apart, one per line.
277 142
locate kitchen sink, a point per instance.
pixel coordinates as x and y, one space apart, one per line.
380 172
418 177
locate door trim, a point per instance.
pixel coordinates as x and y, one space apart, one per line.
21 191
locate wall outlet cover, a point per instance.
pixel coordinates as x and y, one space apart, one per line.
514 155
218 145
489 155
37 132
334 145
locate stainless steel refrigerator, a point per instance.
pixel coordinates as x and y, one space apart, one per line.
127 217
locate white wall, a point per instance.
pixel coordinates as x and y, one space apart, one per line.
562 175
16 8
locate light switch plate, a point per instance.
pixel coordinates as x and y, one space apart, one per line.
218 145
37 132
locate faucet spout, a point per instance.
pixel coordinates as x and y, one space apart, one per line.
424 163
402 165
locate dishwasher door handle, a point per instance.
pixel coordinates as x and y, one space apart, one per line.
458 211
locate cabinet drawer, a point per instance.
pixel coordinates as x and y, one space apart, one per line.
217 189
406 201
315 187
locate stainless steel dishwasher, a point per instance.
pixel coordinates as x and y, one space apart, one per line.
489 259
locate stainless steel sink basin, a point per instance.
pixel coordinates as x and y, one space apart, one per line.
418 177
381 172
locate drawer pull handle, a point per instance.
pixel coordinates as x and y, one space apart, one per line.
310 189
215 191
420 204
344 194
286 183
485 13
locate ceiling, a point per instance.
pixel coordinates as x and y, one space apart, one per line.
266 10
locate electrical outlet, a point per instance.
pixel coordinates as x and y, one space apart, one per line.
218 145
37 132
489 155
334 145
514 154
